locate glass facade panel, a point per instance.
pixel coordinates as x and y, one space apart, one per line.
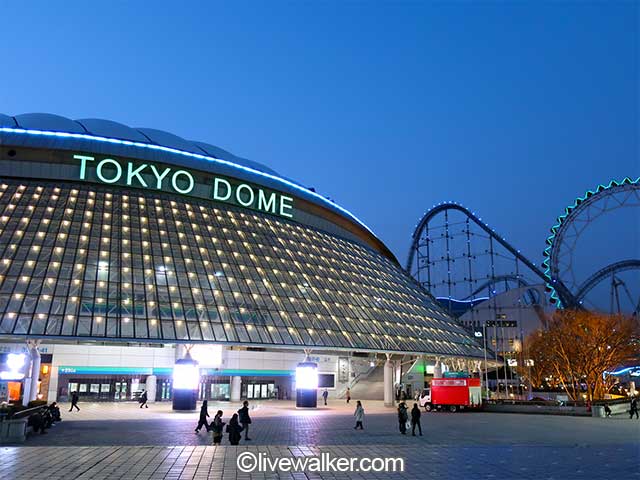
90 261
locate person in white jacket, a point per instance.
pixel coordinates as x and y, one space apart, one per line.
359 414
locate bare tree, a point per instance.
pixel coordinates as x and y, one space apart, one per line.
577 347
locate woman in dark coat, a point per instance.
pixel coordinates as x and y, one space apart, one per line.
216 427
202 422
415 420
234 429
245 419
402 418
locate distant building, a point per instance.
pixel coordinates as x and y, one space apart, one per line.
503 322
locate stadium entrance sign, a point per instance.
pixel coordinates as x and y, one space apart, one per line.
147 175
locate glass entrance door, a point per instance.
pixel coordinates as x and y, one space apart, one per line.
165 390
120 391
260 390
220 391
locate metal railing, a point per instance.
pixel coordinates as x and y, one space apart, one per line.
360 376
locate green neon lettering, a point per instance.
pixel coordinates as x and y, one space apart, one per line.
115 164
244 187
286 203
174 181
216 189
135 173
267 205
159 176
83 164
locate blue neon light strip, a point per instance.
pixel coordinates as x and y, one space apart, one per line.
168 371
130 143
624 370
561 219
81 370
477 299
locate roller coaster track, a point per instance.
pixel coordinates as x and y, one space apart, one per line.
428 216
609 271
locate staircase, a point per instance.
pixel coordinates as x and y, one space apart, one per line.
369 387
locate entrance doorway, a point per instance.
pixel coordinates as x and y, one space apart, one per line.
163 391
120 391
260 390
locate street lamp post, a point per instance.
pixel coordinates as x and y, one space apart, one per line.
486 365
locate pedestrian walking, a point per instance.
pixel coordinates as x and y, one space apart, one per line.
143 399
245 419
633 407
359 414
402 418
216 427
202 421
74 401
607 410
325 395
415 420
234 429
348 394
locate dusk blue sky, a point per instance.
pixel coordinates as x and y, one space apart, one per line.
512 109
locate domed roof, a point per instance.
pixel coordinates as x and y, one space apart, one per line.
106 137
110 129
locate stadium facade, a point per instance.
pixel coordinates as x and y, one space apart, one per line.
121 248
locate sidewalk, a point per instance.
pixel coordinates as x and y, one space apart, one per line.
164 411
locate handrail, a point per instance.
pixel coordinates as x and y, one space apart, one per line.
356 379
27 412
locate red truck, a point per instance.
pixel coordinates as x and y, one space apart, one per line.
452 394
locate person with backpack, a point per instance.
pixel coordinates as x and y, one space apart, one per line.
216 427
204 413
359 414
415 420
234 429
245 419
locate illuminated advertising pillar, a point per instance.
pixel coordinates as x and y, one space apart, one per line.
13 374
186 381
307 385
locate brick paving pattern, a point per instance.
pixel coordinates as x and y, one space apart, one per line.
158 444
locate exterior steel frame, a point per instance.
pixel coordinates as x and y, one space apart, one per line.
423 226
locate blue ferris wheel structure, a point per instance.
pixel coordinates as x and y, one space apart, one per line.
559 261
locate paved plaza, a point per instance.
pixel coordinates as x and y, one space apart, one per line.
105 441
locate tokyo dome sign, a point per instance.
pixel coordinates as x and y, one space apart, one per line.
147 175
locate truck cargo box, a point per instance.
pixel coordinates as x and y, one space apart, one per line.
452 394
